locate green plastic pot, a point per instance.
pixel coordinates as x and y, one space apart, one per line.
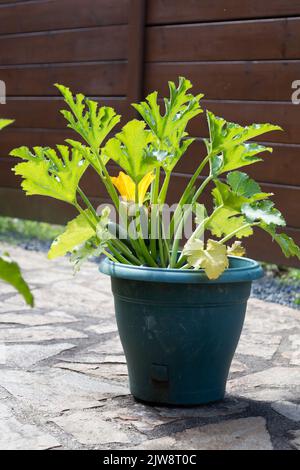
179 330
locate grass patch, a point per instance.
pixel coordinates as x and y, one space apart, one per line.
14 230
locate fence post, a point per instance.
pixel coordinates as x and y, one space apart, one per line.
136 49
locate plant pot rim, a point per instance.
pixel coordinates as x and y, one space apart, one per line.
240 270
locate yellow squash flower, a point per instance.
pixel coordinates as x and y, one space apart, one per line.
126 186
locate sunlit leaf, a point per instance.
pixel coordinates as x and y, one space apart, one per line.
170 124
77 231
93 123
226 221
48 172
263 211
5 123
130 149
241 189
229 143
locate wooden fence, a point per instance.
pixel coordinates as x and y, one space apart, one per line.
243 56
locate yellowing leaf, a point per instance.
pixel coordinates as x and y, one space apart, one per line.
213 259
130 150
49 173
236 249
77 231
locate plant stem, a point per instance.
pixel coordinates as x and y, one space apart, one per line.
177 238
163 192
87 202
187 191
201 188
117 254
193 179
124 248
110 256
106 179
84 214
155 186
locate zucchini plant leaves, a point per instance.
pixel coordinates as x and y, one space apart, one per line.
263 211
77 231
229 142
87 119
48 172
169 126
130 149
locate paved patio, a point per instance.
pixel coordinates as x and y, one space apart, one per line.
63 377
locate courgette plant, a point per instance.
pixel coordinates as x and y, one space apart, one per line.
147 152
9 270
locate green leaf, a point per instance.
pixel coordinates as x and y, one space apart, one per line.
130 149
263 211
240 190
169 126
226 221
286 243
10 273
242 185
77 231
85 118
228 142
236 249
5 123
88 155
47 172
213 259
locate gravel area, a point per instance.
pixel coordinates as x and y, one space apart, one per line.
272 289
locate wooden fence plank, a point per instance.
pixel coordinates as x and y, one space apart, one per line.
268 80
103 78
49 15
239 40
174 11
101 43
136 52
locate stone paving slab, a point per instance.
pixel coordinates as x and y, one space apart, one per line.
63 376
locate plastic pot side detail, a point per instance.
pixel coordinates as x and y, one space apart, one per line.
179 330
